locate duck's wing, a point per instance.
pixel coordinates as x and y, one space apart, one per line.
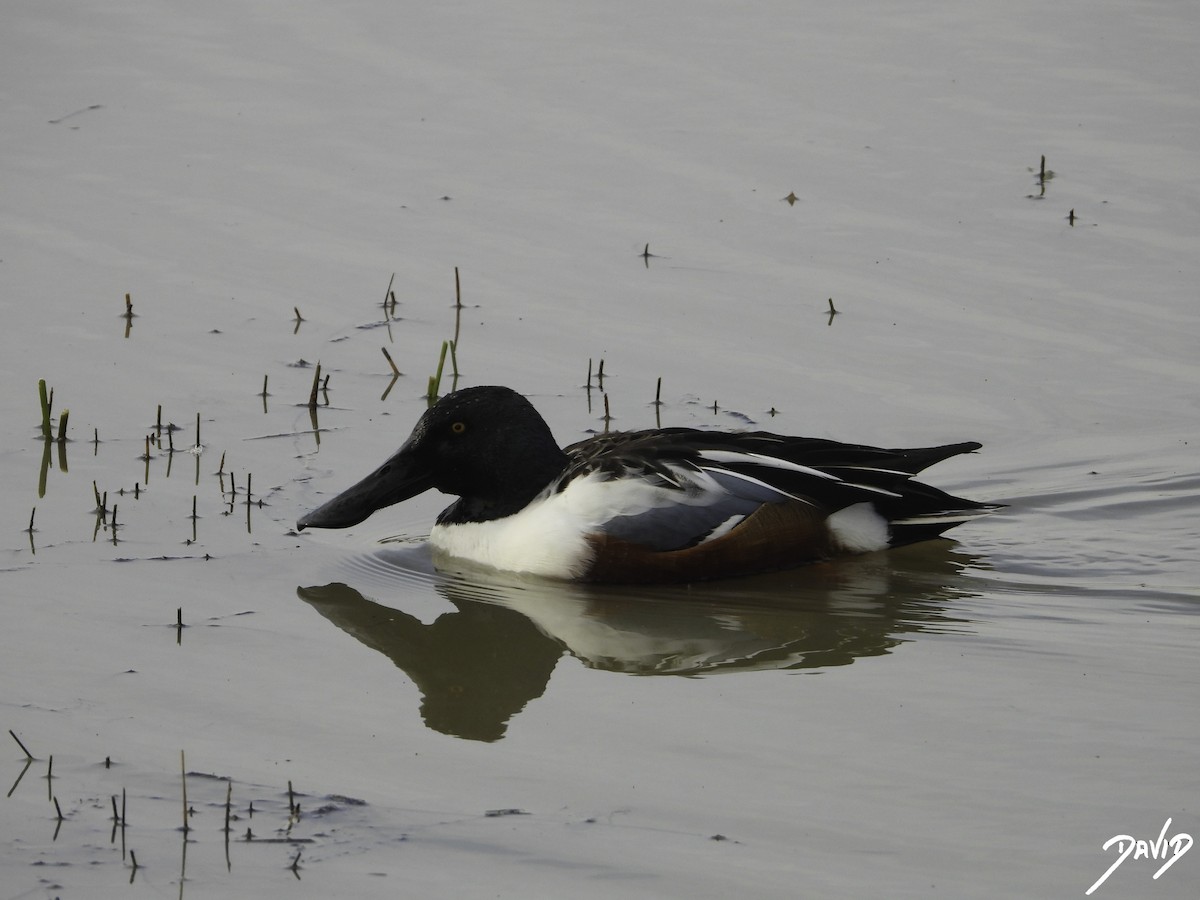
831 473
670 489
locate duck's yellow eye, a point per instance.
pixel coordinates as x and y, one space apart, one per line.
458 427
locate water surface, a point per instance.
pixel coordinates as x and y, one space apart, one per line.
972 718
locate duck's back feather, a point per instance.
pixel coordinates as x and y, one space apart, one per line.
681 490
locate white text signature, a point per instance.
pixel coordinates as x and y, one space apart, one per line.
1177 844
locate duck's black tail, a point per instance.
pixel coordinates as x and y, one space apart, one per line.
922 512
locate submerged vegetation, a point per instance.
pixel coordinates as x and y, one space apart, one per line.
229 489
130 831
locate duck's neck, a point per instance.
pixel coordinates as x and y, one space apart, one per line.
511 488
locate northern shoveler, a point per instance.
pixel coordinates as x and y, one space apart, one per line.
661 505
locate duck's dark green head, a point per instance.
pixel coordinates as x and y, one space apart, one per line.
487 445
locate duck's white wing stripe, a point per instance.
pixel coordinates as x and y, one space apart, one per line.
731 457
856 468
724 528
871 488
759 459
760 491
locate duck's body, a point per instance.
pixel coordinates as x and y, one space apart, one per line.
669 504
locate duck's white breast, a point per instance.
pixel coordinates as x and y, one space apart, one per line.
549 536
537 540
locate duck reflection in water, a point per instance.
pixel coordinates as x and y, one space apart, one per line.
480 664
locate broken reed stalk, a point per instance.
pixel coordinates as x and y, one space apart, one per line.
128 307
58 809
388 295
658 392
296 310
435 380
32 513
458 307
264 390
44 398
198 429
24 749
386 356
316 386
158 420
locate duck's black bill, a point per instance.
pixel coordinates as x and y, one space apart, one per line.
396 480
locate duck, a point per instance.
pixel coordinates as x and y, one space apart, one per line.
660 505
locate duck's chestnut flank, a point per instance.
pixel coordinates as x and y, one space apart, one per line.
664 504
